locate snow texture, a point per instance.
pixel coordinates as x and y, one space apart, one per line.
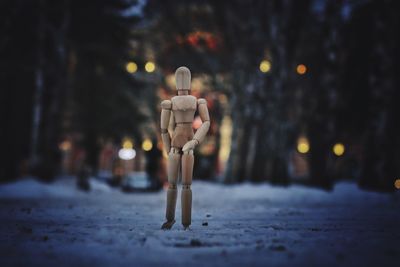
239 225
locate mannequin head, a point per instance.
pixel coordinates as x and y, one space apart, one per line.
182 78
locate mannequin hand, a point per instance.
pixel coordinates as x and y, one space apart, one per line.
189 145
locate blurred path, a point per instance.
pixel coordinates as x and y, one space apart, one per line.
241 225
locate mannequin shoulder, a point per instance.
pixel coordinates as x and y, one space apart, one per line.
201 101
166 104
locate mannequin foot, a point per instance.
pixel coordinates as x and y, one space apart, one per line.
167 225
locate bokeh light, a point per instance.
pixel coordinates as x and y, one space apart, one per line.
338 149
302 145
127 143
131 67
65 145
147 145
197 122
126 153
265 66
150 66
397 183
301 69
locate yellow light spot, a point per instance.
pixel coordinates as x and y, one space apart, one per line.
127 143
147 145
265 66
338 149
302 145
131 67
150 66
397 183
301 69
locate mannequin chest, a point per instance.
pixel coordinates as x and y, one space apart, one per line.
184 103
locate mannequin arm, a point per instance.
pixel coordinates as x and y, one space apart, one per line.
166 106
205 126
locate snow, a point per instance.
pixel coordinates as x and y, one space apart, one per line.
236 225
30 188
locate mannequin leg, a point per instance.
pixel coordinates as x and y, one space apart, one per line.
186 198
174 159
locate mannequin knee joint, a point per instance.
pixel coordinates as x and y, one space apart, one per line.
188 152
171 186
174 151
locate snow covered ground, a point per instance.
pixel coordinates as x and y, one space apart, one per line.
239 225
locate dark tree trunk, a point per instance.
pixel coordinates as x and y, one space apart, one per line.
39 83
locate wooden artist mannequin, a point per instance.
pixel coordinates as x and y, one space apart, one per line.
181 109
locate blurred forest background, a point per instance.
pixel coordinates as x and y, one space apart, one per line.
298 91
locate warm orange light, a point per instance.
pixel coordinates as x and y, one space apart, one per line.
197 123
193 39
397 183
301 69
65 145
